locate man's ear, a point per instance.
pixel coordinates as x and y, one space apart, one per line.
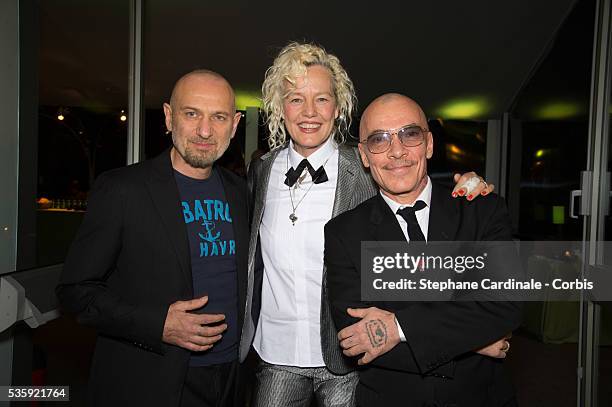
364 157
429 145
235 121
168 116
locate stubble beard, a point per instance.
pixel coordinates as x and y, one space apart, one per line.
193 158
201 160
196 159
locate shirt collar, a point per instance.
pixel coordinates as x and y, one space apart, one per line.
424 196
316 159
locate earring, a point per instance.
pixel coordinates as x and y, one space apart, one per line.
168 132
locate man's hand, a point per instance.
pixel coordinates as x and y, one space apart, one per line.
191 331
375 335
498 349
471 189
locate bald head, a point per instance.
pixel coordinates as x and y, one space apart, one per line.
202 118
399 161
202 76
388 109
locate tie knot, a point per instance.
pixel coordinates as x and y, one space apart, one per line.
413 228
418 205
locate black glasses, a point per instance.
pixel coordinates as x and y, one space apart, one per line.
410 136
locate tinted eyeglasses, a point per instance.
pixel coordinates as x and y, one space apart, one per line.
410 136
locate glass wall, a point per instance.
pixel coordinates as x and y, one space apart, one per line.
549 137
82 132
551 116
82 124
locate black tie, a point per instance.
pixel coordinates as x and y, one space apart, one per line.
317 176
408 213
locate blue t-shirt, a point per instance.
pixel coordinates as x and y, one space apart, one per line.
208 219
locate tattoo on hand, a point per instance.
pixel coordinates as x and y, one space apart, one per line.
377 332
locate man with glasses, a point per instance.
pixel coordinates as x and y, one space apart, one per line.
415 354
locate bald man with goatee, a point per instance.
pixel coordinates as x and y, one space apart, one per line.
415 353
158 266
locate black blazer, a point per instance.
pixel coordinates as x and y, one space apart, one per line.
129 261
436 365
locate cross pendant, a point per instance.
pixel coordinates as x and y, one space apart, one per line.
293 218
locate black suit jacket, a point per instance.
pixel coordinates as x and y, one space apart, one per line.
436 366
129 261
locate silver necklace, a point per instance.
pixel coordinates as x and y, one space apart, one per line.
293 217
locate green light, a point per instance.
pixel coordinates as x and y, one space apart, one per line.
558 215
558 110
466 108
246 99
539 153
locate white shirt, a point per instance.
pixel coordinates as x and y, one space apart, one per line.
288 330
422 217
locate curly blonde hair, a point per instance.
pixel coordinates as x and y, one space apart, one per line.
292 62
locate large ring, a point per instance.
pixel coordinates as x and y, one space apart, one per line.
471 184
506 347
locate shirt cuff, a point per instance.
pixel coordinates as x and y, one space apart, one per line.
399 330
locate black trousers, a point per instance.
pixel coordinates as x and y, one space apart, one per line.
210 386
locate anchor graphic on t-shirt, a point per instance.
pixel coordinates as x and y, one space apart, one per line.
210 226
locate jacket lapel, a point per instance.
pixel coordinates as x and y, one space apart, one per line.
164 194
347 171
261 188
236 197
258 185
444 215
383 222
385 228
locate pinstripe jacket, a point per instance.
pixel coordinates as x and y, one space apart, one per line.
354 186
